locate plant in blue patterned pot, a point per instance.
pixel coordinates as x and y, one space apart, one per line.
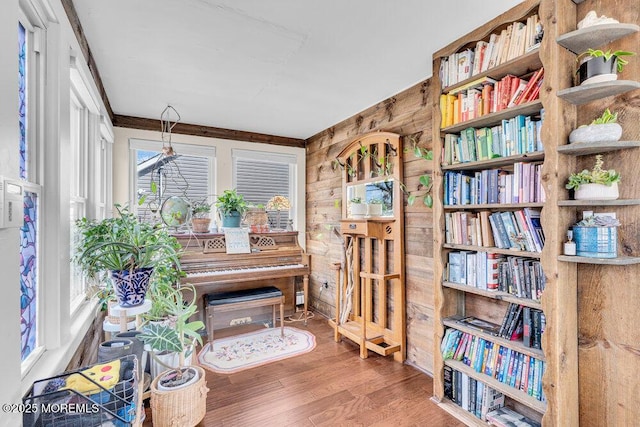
129 249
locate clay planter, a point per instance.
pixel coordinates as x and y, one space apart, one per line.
358 210
596 192
374 209
200 225
596 133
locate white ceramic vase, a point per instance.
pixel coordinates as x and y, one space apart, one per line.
596 133
597 192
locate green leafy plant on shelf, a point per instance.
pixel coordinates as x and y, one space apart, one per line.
606 117
230 201
597 175
597 53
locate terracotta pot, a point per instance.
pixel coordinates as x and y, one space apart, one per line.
200 225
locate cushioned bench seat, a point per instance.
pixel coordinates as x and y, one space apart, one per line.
243 299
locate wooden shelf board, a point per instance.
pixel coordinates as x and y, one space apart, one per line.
579 41
495 118
521 65
492 250
513 345
621 260
518 395
376 276
497 295
496 162
617 202
579 95
503 206
584 148
456 411
382 346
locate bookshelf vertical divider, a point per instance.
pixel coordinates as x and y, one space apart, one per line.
559 299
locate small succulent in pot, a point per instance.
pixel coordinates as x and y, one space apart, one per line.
603 128
595 184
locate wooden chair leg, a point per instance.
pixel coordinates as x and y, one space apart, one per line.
281 319
209 313
273 314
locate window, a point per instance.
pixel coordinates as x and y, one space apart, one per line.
29 232
259 176
188 174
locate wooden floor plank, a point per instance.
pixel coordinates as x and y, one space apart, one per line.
330 386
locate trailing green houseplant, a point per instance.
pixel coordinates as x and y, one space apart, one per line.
126 247
597 65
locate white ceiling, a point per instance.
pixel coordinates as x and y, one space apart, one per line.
281 67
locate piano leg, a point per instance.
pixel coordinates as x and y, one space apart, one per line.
305 284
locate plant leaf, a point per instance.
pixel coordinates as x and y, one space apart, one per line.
411 199
428 200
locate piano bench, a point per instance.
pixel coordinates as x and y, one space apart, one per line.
243 299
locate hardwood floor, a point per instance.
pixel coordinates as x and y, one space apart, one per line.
330 386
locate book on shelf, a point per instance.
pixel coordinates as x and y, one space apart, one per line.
507 417
480 325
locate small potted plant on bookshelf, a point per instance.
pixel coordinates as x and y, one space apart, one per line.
599 66
595 184
603 128
596 236
200 220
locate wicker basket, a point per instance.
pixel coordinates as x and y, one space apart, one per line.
182 407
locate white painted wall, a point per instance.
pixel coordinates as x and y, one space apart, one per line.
224 163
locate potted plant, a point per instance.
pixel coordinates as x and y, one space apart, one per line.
179 392
374 207
358 209
596 237
599 66
603 128
200 220
595 184
129 249
231 206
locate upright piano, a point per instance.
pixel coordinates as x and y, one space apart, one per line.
276 259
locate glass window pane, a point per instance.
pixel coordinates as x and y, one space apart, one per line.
29 274
22 92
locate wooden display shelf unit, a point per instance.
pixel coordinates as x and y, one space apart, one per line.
373 274
494 118
494 206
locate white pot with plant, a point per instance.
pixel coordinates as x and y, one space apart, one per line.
595 184
181 383
374 207
602 129
357 208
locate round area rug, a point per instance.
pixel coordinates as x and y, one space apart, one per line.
240 352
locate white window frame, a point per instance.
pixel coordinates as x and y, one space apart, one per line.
180 148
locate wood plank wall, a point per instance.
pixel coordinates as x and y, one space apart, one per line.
609 297
409 114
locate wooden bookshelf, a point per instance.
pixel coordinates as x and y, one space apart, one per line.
559 341
497 295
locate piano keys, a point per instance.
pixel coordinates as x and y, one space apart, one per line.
276 259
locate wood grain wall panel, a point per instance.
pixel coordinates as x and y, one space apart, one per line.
609 337
408 114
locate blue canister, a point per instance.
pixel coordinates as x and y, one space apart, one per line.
596 242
